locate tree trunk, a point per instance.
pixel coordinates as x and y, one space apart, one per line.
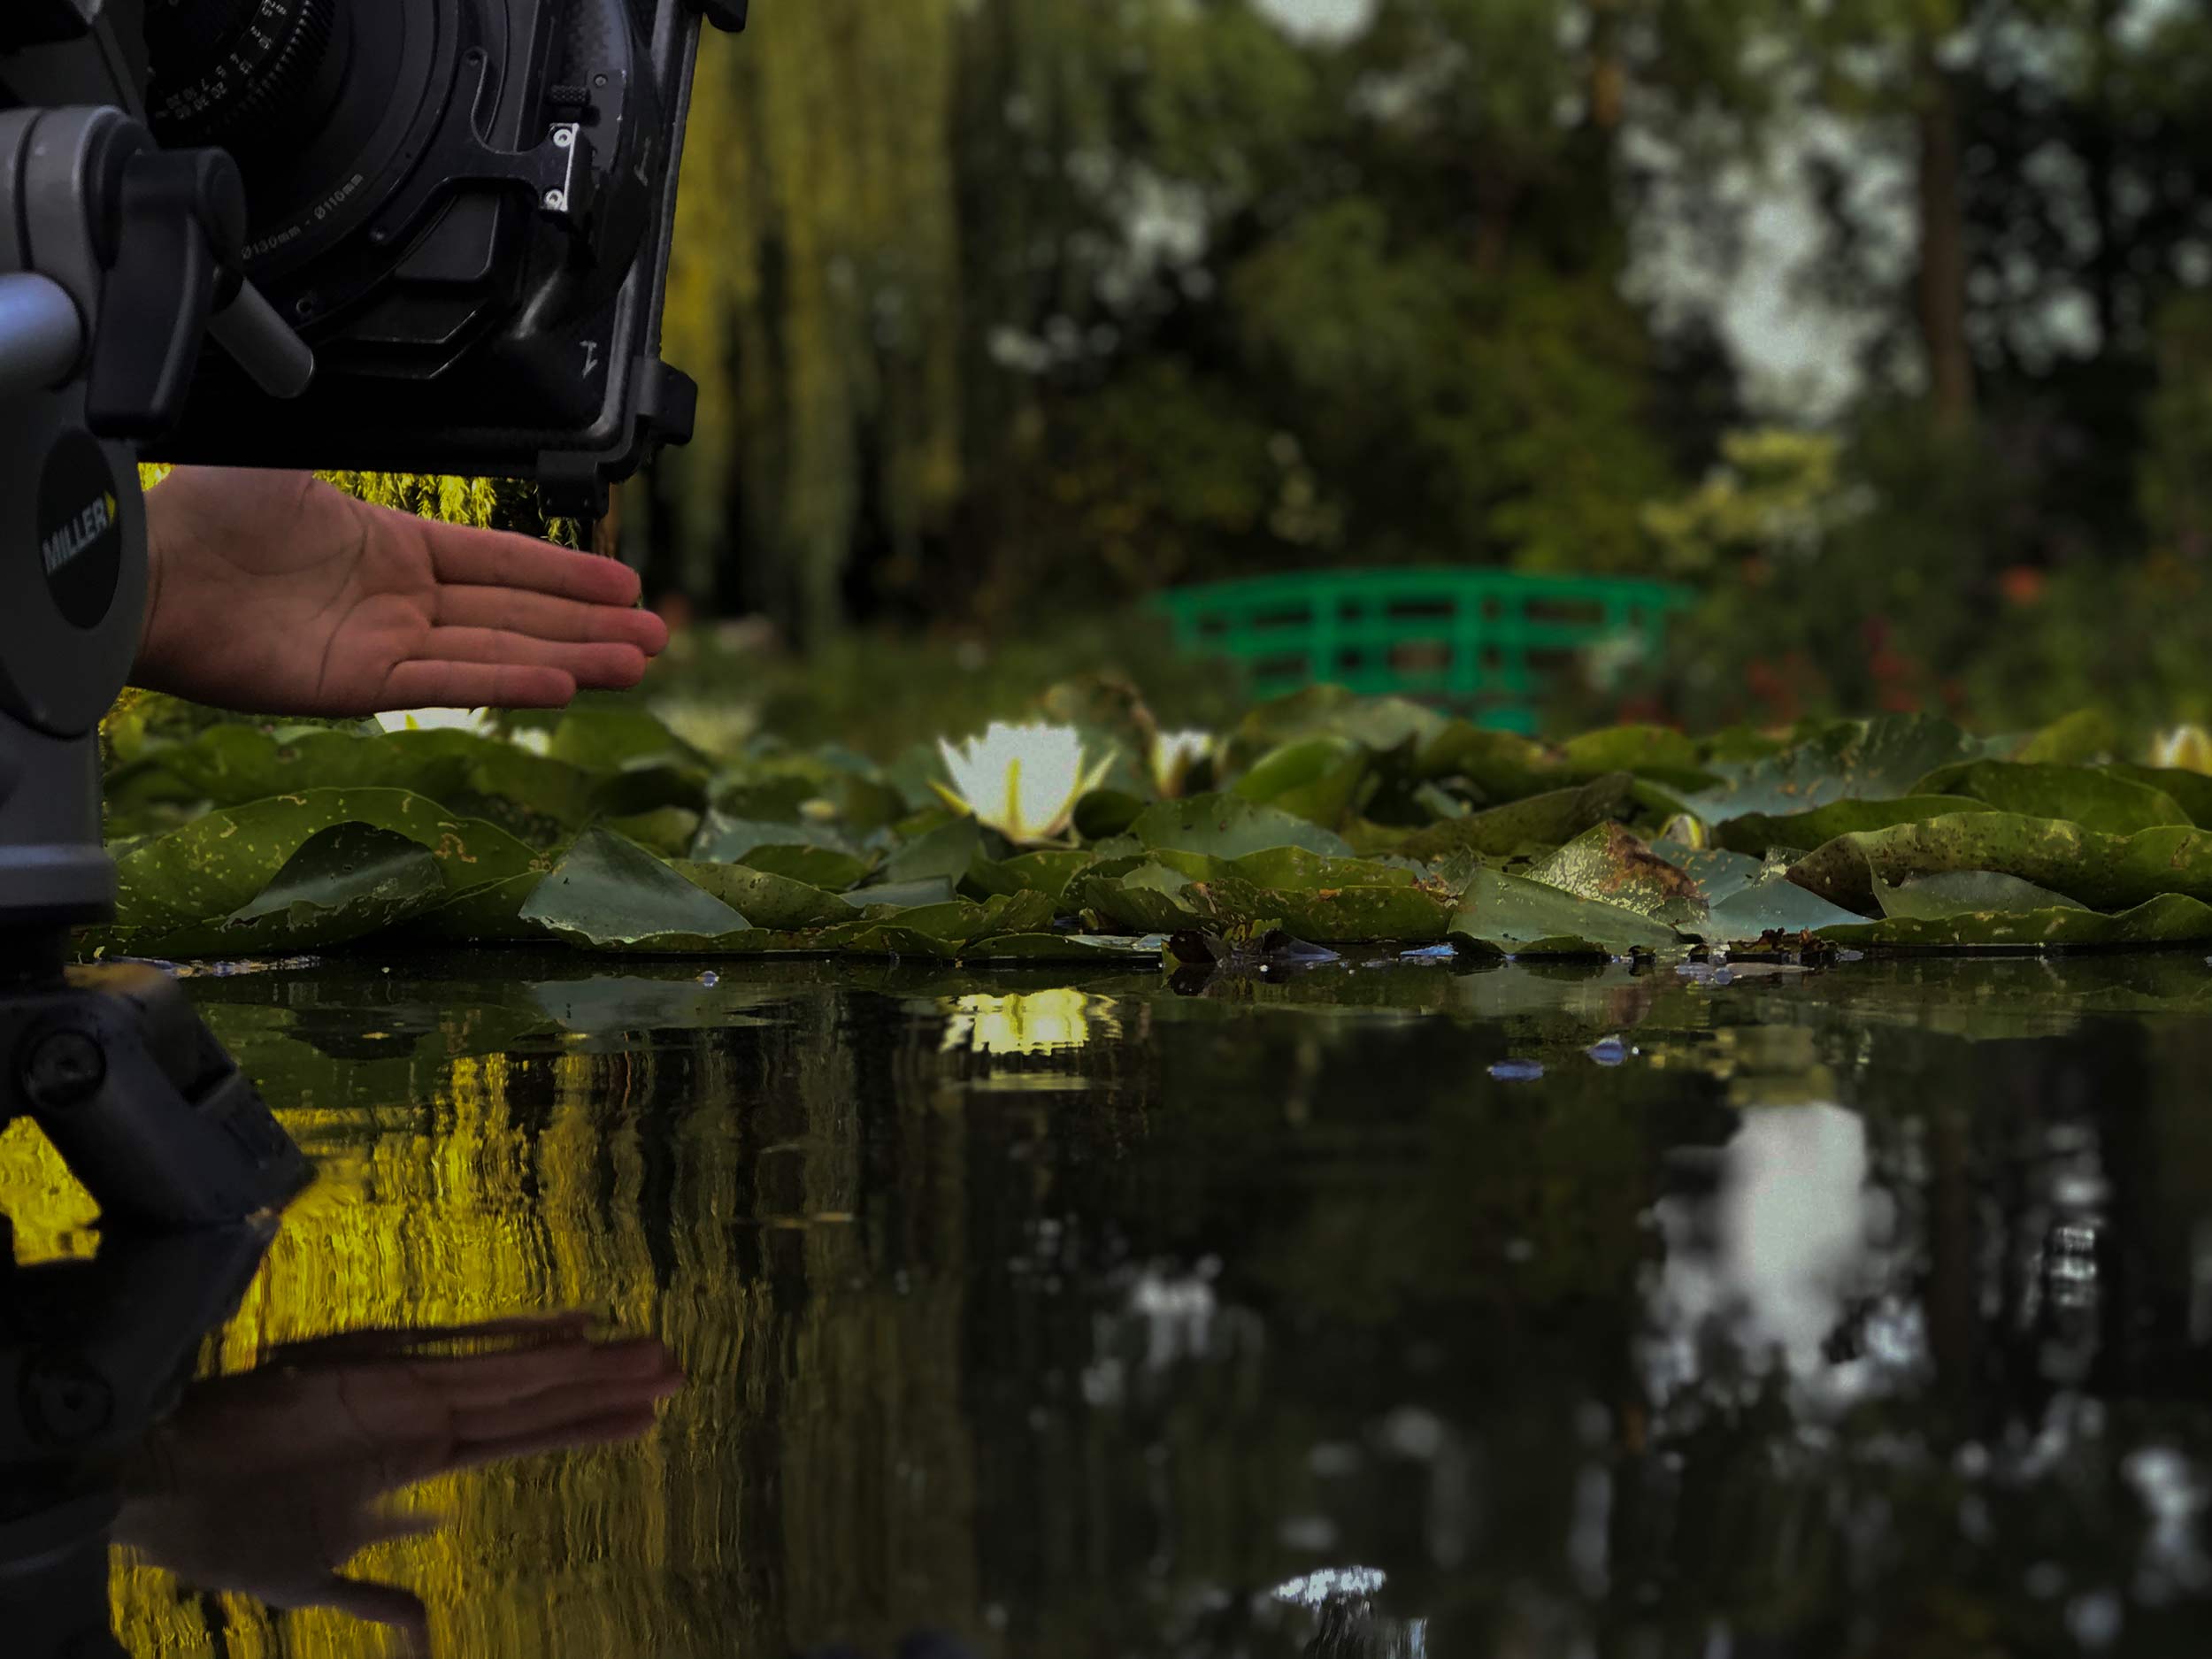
1942 215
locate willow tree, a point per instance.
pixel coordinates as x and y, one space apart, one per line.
814 295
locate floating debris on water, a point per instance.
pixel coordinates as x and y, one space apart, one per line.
1609 1051
1517 1070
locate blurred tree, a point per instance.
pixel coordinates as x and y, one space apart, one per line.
816 293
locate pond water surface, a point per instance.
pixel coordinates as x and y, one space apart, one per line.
1442 1310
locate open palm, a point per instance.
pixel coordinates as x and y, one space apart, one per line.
274 592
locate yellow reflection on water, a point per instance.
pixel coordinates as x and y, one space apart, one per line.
811 1479
1034 1022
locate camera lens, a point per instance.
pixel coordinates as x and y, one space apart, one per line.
246 74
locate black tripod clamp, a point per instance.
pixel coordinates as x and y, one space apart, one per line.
116 261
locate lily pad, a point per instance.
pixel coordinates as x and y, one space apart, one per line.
1772 905
2094 799
1967 892
1609 864
1541 820
1144 900
1317 779
764 899
1104 813
940 854
1756 831
724 838
1046 948
2171 918
1047 873
610 891
1517 916
823 867
2106 873
221 861
1717 874
344 883
1853 760
1227 826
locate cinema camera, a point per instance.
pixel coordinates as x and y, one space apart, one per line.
428 235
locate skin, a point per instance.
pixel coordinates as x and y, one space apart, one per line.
272 593
269 1484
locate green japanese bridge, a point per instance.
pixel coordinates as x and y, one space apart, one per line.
1484 642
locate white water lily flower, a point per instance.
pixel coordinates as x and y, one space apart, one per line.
476 721
1173 754
2185 748
1022 780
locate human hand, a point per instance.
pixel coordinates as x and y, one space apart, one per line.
272 593
269 1483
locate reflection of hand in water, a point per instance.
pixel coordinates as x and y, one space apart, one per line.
269 1482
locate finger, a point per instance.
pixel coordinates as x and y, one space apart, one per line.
544 617
432 685
463 555
379 1603
599 668
609 1428
478 1381
405 1341
558 1410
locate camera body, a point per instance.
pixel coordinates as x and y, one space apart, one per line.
463 206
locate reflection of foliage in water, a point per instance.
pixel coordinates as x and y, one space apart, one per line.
1269 1281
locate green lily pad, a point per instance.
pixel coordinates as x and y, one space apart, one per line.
1656 752
1047 873
1853 760
2106 873
1517 916
2169 919
942 854
1104 813
1046 948
610 738
901 896
724 838
1226 826
488 914
765 900
1144 899
823 867
1717 873
1609 864
2094 799
1295 869
667 830
1316 780
344 883
610 891
1772 905
1967 892
2081 737
1541 820
1755 831
2190 790
221 861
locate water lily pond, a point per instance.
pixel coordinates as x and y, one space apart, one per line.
1354 1184
1448 1308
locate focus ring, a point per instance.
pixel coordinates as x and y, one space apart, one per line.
210 84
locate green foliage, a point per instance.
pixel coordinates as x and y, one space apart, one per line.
1907 832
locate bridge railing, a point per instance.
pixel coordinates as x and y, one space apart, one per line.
1486 643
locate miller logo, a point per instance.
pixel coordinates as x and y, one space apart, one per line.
96 520
80 534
